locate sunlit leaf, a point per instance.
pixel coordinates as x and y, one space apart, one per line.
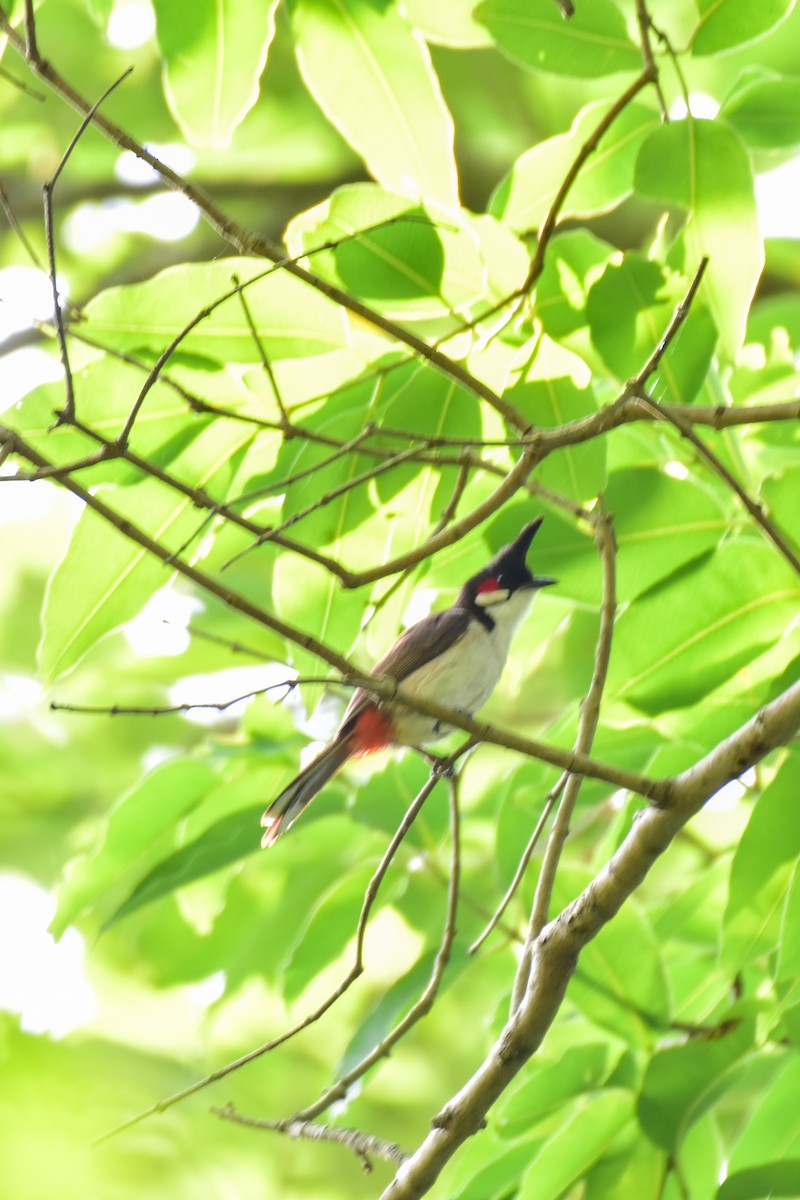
683 1081
728 24
524 198
391 111
591 1127
593 42
141 821
668 653
702 166
762 874
105 578
214 52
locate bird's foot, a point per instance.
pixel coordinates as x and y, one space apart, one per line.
441 765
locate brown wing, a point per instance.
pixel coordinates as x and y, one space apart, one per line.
417 646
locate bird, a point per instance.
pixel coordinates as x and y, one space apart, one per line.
454 657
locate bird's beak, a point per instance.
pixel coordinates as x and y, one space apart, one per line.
540 581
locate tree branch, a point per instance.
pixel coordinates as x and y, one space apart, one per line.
556 950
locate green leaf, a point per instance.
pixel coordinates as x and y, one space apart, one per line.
576 471
761 873
637 1171
391 110
682 1082
134 832
527 193
668 654
593 42
769 1179
789 949
620 982
105 578
213 52
630 307
702 166
660 523
575 260
229 839
448 23
326 932
580 1069
728 24
583 1137
412 267
486 1170
765 113
766 1158
291 318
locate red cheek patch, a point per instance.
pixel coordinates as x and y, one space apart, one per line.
373 731
489 585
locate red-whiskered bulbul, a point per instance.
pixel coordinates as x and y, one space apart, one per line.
453 657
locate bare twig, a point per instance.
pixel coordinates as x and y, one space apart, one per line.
265 363
590 716
21 86
10 216
31 48
68 412
269 535
765 523
125 710
425 1002
356 970
587 149
637 384
522 865
547 229
643 20
361 1144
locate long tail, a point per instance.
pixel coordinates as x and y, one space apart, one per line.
286 808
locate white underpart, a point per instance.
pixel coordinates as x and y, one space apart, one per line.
466 674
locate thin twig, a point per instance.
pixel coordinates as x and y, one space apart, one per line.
10 216
125 710
767 526
362 1144
265 362
588 148
423 1005
522 865
21 86
590 716
352 975
643 20
637 384
357 480
67 413
31 48
547 228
